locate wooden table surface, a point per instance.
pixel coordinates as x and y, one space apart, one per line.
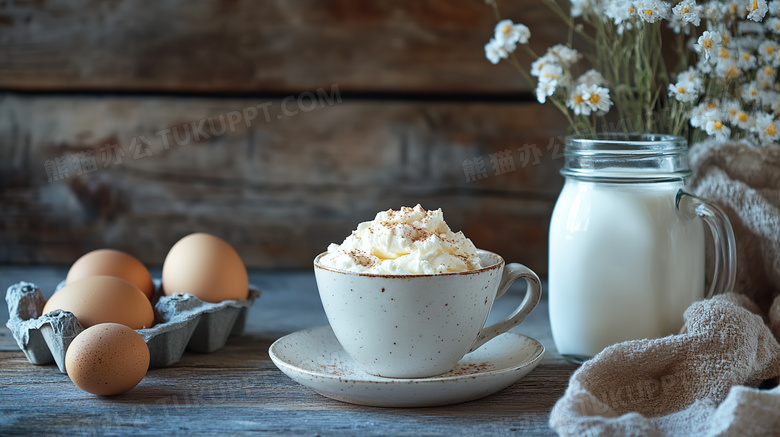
238 390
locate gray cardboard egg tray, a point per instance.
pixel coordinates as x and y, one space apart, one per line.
182 321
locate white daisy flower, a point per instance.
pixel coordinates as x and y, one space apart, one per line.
766 128
621 12
744 121
773 25
767 71
549 77
684 91
725 65
509 33
598 99
708 43
736 116
727 69
768 52
757 9
746 61
539 64
700 112
692 78
495 51
545 89
652 10
750 92
715 126
565 55
690 75
731 110
591 77
697 115
577 101
724 55
766 77
551 72
688 11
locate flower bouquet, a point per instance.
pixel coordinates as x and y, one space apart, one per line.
649 66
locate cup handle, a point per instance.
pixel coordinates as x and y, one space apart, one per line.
722 234
533 293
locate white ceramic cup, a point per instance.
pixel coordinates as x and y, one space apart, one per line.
414 326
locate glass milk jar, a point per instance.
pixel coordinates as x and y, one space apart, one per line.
627 243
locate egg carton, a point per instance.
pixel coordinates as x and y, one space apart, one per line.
182 322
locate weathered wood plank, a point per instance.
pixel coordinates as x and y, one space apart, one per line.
248 46
281 188
231 392
237 390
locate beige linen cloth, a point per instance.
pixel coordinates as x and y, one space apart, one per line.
704 381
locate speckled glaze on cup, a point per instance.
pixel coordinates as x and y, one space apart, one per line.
415 326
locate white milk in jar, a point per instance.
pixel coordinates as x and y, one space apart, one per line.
625 262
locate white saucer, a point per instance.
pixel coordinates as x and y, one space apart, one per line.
315 359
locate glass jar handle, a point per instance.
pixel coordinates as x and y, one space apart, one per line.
723 237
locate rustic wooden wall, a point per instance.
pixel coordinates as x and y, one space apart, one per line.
276 125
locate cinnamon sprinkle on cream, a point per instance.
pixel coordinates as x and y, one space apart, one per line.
406 241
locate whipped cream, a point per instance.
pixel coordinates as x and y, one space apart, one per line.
410 241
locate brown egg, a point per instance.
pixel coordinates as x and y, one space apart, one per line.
103 299
207 267
107 359
110 262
